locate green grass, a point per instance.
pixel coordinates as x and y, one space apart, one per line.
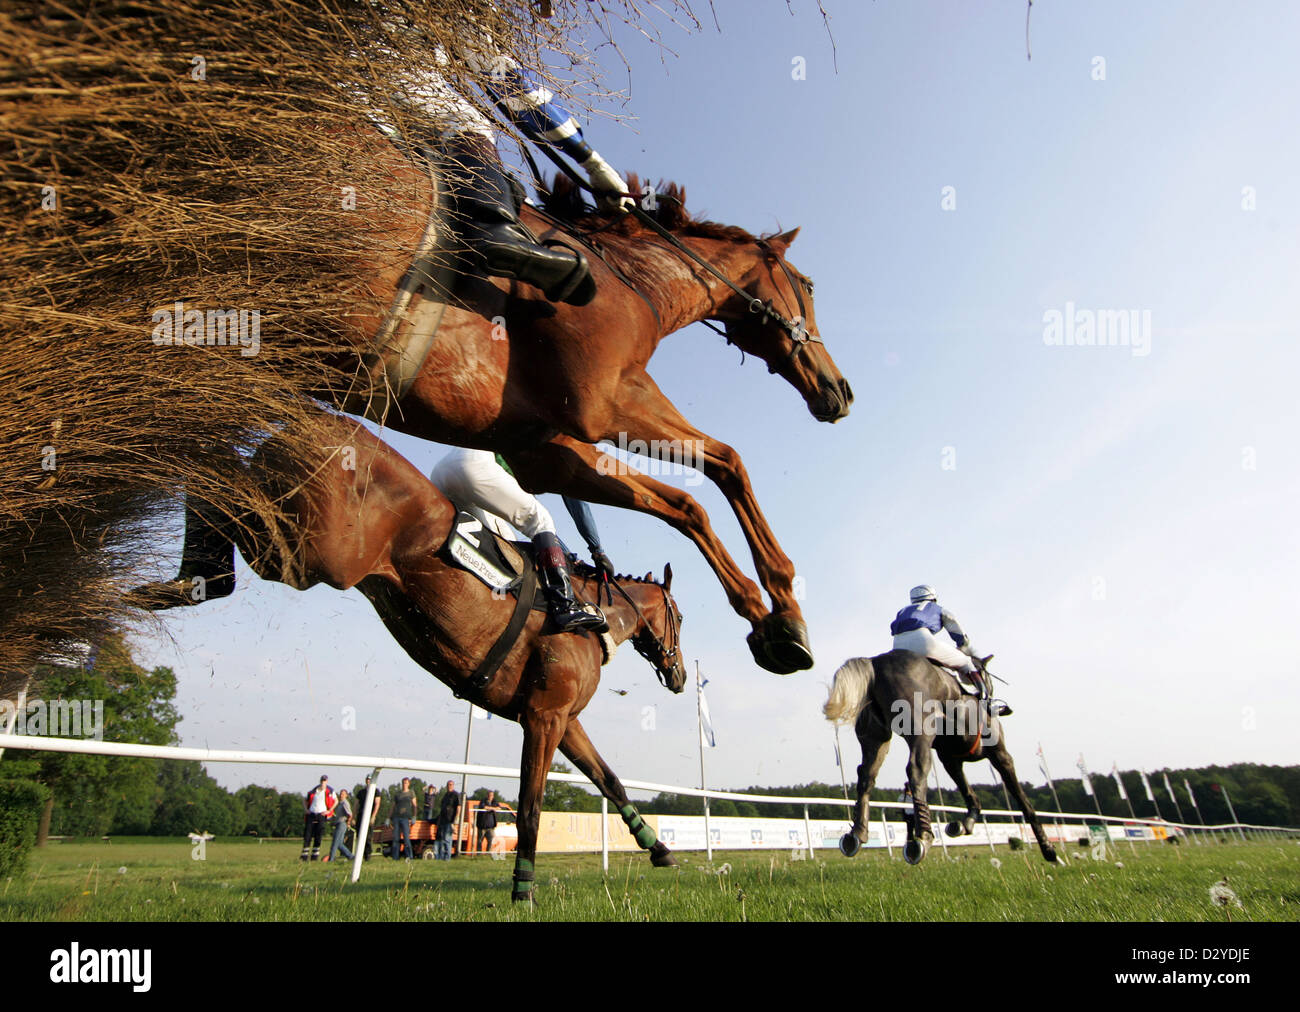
243 881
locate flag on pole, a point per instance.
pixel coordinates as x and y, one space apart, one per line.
838 760
1169 787
1147 784
1114 771
1190 794
1042 763
706 725
1083 771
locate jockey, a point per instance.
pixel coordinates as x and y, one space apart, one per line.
916 628
479 480
485 205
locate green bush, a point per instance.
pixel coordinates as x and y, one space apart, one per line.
21 802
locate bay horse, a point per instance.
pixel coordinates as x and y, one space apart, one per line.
905 693
363 516
541 383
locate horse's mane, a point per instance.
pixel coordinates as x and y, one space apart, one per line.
562 197
587 571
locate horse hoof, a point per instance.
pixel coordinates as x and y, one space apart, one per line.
953 829
914 851
662 857
1050 854
780 645
849 844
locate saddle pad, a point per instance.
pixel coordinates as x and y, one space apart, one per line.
493 559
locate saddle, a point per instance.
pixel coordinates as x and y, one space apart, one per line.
508 567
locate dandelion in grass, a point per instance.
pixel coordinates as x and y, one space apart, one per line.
995 862
122 870
1221 895
1119 864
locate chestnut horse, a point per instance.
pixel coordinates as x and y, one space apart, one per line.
365 517
541 383
880 696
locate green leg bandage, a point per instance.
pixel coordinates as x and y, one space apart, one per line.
645 836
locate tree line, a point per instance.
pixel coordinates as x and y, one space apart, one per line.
92 796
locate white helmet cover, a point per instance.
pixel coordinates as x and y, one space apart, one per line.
924 592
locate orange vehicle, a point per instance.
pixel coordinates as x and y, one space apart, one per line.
424 833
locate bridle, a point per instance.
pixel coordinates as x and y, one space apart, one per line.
668 644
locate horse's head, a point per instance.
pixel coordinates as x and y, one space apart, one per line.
658 631
776 321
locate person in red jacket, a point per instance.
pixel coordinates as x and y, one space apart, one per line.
319 807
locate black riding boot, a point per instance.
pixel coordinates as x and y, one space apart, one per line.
567 615
996 707
491 236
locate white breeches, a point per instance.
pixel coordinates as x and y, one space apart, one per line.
922 641
452 113
473 479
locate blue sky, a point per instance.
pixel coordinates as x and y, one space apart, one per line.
1118 528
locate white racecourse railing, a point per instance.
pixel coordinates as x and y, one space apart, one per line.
404 764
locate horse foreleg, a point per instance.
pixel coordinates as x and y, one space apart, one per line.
644 413
542 733
578 748
1002 762
957 770
920 834
580 470
584 472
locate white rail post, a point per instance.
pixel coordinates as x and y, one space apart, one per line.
884 828
807 832
604 835
359 854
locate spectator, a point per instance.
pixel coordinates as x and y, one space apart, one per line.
318 807
447 813
485 821
430 802
403 813
342 819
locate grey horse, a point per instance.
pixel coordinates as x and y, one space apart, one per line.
905 693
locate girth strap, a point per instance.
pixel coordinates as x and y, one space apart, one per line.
523 605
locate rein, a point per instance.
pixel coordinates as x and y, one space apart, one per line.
798 332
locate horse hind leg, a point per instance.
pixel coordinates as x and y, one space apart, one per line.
207 568
920 834
577 747
875 746
966 825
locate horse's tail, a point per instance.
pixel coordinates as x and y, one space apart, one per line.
850 690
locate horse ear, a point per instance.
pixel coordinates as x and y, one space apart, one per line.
668 575
985 660
786 238
649 577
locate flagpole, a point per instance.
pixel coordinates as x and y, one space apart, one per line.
1146 783
1051 786
1199 816
1240 831
699 720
